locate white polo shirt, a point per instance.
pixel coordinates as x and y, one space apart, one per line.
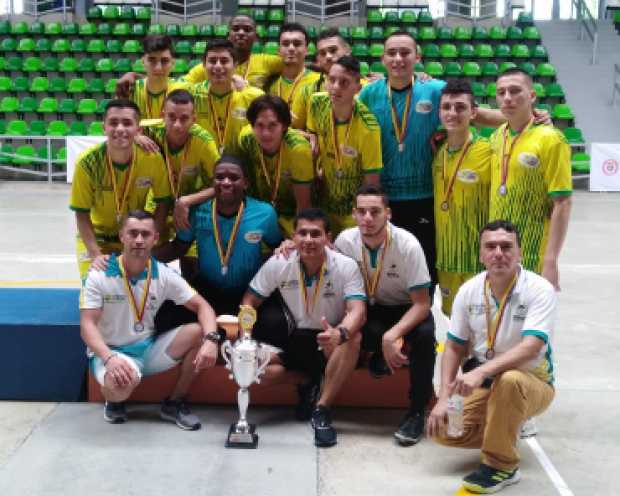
404 266
106 290
531 311
342 281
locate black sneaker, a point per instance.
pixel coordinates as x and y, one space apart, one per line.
308 396
411 429
177 411
324 433
377 366
488 480
115 413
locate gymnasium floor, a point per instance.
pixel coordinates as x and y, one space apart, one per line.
54 449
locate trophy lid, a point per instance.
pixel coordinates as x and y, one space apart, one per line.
247 318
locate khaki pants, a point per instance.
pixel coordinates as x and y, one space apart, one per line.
493 417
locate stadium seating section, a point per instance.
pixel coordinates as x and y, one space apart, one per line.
56 78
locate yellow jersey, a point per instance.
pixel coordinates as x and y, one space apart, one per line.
287 89
151 104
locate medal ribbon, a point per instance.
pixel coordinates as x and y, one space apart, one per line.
120 199
338 148
493 324
225 257
221 135
175 181
138 314
398 132
278 172
371 286
295 83
309 305
447 188
506 156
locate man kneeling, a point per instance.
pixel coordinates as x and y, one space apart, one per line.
507 316
118 307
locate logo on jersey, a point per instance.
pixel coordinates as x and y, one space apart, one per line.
253 236
528 160
238 113
114 298
143 182
292 284
475 309
520 312
393 272
424 107
329 292
467 176
189 170
348 151
610 167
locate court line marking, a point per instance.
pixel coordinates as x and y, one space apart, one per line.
549 468
35 283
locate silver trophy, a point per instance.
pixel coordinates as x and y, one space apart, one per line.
247 360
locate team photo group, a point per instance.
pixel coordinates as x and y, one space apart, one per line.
334 205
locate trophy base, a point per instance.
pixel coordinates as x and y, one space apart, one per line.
246 440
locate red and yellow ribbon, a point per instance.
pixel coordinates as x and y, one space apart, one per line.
225 256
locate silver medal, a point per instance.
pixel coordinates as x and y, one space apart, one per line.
401 147
138 327
224 270
502 190
490 353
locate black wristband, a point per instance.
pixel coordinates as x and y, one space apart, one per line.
213 336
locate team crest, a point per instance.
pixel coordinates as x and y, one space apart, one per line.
189 170
520 312
253 236
238 113
467 176
528 160
424 107
143 182
348 151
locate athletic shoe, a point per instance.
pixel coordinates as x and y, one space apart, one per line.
528 428
488 480
377 366
308 396
115 413
177 411
324 433
411 429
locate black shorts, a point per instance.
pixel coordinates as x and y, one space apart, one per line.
302 353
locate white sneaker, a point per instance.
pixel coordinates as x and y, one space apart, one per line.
528 428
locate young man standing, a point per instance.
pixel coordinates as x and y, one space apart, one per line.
117 313
111 179
349 142
461 180
397 283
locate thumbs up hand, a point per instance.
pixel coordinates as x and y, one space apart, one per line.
329 338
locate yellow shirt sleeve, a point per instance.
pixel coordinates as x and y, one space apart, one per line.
161 184
557 172
209 156
197 74
272 64
372 162
82 190
299 108
302 170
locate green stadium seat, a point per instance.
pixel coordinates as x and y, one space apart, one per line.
5 84
448 51
408 17
514 33
491 90
138 30
143 13
39 84
540 90
5 27
271 47
574 136
497 33
199 47
528 67
221 31
88 29
388 30
502 51
121 29
425 17
58 85
273 31
520 51
127 13
490 70
122 66
431 51
67 64
466 51
413 31
183 47
113 46
78 45
261 31
376 50
77 128
418 67
312 32
205 31
9 104
391 17
50 64
20 84
479 33
434 69
37 128
26 45
48 105
138 66
173 30
110 86
156 29
539 52
95 128
257 47
32 64
260 15
13 64
17 128
276 15
531 33
374 16
26 155
87 106
61 154
67 106
110 12
101 106
86 64
8 45
5 150
472 69
364 68
27 104
93 13
359 33
77 85
131 46
525 19
70 29
554 90
189 30
95 86
462 33
43 45
504 66
359 50
378 67
453 69
42 152
36 27
312 49
61 45
562 111
426 33
180 66
483 51
57 128
2 63
580 163
544 107
479 89
104 29
53 29
444 33
20 28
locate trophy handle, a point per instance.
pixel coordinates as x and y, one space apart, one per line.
227 351
263 355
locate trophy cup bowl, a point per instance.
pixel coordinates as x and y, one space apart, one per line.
230 324
247 360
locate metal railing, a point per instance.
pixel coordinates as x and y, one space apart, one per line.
587 24
322 10
48 163
473 10
37 8
616 88
187 9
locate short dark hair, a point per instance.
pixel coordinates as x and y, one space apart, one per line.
373 190
157 43
121 103
289 27
312 214
506 225
269 102
330 33
458 87
517 71
400 32
221 44
351 64
246 16
137 214
234 160
179 97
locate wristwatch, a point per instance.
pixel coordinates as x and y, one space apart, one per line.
213 336
344 334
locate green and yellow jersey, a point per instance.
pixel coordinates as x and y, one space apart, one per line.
539 169
347 152
223 116
294 161
151 104
288 89
93 187
461 209
256 70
